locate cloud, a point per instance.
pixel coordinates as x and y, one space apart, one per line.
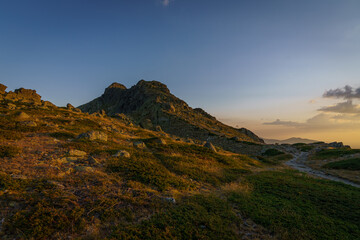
283 123
347 92
343 107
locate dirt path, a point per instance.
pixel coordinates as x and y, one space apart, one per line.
298 162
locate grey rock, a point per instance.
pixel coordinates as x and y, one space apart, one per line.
94 135
140 145
210 146
77 153
122 153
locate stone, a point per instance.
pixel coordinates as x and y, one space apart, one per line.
29 124
140 145
210 146
146 123
84 169
122 153
47 104
69 106
160 141
77 153
2 88
93 161
158 128
22 116
94 135
11 106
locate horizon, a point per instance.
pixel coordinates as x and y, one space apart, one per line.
281 69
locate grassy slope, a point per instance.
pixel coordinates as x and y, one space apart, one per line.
348 164
127 198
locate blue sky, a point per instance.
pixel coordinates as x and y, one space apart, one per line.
246 62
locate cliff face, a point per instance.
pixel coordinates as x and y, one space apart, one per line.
151 104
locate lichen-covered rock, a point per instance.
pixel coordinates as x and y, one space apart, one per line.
122 153
94 135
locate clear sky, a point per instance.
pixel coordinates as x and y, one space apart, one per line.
260 64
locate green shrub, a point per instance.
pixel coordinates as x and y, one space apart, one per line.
348 164
295 206
333 153
272 152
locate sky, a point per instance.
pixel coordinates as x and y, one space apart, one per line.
270 66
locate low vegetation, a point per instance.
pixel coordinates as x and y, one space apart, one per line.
333 153
348 164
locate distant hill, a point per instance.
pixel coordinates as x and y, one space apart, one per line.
290 141
151 105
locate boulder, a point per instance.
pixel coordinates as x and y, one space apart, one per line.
2 88
158 128
140 145
77 153
69 106
122 153
94 135
84 169
210 146
160 141
22 116
48 104
93 161
11 106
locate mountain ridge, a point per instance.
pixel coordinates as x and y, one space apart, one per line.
151 104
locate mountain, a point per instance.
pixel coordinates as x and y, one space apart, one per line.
290 141
151 105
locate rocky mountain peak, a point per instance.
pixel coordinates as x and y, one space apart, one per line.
152 85
116 85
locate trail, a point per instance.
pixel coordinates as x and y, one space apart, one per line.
298 162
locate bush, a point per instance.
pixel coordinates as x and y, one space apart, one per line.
272 152
348 164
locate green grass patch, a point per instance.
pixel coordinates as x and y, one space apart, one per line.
348 164
198 217
295 206
333 153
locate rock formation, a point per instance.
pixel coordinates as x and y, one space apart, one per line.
151 104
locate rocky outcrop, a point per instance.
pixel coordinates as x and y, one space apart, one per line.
2 88
94 135
150 104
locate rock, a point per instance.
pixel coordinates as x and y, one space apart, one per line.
170 199
93 161
28 124
122 153
2 88
84 169
103 113
158 128
11 106
24 95
21 116
336 144
189 141
210 146
69 106
160 141
146 123
47 104
77 153
94 135
140 145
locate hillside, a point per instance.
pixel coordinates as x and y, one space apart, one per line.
66 174
151 105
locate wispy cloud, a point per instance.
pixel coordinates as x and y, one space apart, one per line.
347 92
343 107
283 123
